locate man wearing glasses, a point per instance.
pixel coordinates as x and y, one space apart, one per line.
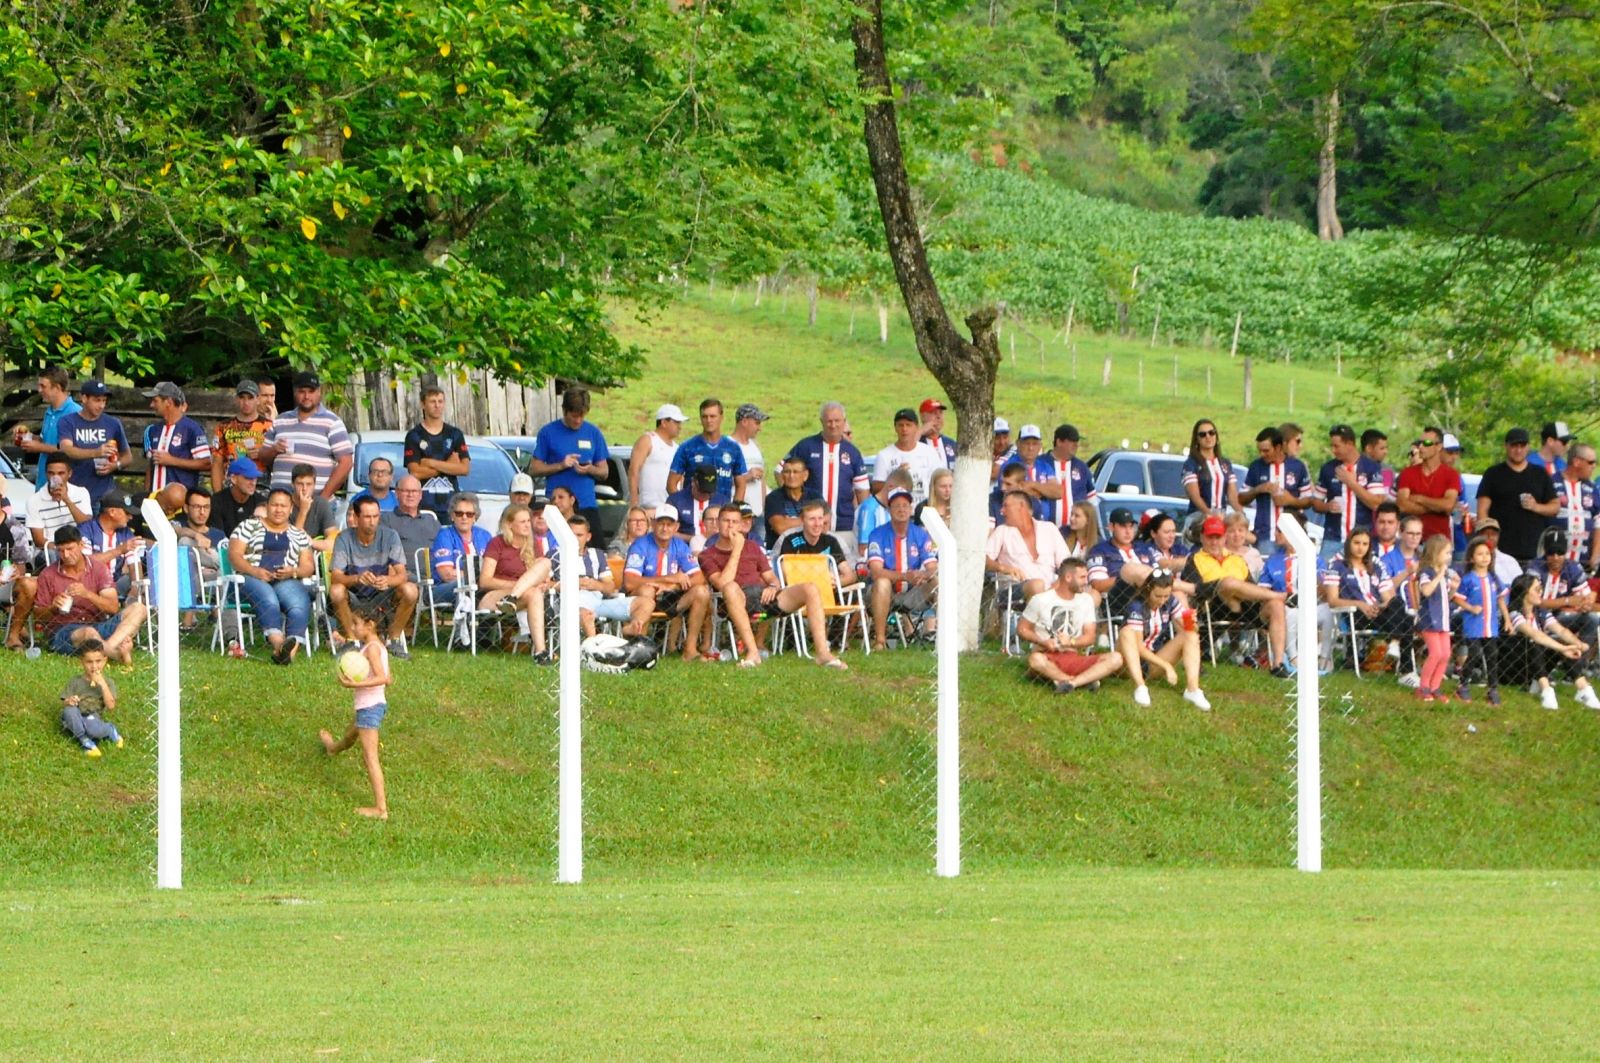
1429 489
461 539
416 526
1580 506
1520 495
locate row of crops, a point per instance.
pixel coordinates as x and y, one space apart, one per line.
1043 249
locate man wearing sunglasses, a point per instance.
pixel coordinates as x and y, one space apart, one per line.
1430 488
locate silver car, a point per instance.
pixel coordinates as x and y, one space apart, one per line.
489 477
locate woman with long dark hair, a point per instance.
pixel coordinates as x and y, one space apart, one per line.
1208 476
1547 647
1355 580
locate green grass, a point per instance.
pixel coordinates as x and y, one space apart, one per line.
710 770
1084 964
724 345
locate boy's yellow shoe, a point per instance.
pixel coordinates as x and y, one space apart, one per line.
91 751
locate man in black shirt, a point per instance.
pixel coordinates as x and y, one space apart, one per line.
1520 496
813 538
436 454
237 504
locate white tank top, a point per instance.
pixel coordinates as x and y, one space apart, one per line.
653 478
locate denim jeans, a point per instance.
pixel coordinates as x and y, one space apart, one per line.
283 606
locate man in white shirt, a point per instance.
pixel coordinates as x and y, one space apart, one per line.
1058 626
908 451
747 421
651 459
58 503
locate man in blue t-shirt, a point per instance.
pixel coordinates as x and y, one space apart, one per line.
713 450
571 453
57 404
95 441
902 565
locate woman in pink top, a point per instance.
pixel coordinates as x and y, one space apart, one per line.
1027 550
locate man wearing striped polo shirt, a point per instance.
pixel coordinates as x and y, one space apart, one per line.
836 472
311 434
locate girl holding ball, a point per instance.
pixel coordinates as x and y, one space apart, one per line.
370 708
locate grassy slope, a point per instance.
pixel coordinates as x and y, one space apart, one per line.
710 770
1125 964
723 345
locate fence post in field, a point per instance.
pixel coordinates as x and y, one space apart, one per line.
1338 360
811 312
1156 328
1105 373
1291 396
1208 381
947 739
1248 400
1066 333
761 287
1238 320
883 324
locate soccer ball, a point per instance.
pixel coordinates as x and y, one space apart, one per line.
354 666
609 653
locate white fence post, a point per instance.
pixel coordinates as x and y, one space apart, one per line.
569 814
947 645
1308 738
169 759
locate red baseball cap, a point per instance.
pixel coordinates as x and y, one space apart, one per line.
1213 525
929 405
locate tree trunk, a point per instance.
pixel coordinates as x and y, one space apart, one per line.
966 370
1328 226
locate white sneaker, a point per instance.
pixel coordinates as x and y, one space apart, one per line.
1547 700
1197 698
1141 697
1410 680
1587 698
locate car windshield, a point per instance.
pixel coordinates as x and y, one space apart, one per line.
491 471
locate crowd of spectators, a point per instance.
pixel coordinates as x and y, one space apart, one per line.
1410 578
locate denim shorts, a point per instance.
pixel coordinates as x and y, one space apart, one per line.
61 641
372 716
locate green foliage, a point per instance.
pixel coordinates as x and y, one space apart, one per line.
353 185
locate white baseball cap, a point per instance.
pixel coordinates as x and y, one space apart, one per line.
1029 431
521 483
1001 425
1451 442
669 412
665 512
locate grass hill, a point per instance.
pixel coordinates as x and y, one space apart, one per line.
710 770
722 344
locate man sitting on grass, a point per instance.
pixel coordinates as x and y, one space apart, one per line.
739 569
1059 624
902 563
77 601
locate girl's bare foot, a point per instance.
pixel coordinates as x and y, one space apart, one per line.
373 813
328 742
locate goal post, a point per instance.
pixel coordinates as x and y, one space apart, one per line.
569 788
169 761
947 728
1308 737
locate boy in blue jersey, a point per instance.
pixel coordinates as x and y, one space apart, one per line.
710 450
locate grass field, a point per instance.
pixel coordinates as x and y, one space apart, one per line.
724 345
1083 964
758 873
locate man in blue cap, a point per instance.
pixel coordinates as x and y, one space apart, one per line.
242 499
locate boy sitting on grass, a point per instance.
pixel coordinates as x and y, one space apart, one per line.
86 700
